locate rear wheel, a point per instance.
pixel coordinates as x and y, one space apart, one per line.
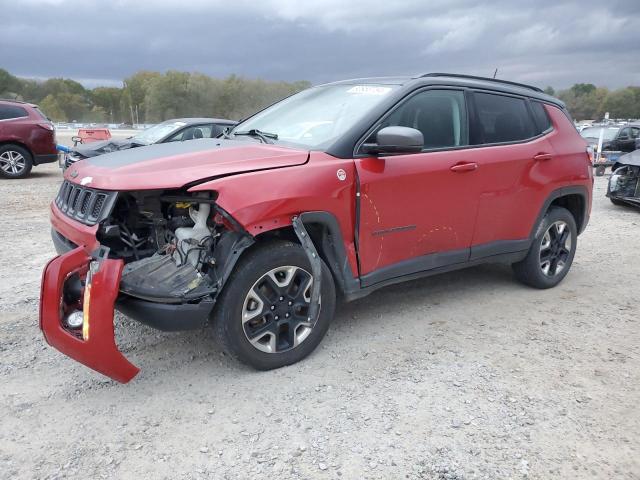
15 161
261 316
551 253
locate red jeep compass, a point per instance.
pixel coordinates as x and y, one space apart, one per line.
27 138
333 192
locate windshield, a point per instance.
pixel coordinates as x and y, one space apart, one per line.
157 132
317 116
594 132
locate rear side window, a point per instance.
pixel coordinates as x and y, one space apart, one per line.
540 115
502 119
12 111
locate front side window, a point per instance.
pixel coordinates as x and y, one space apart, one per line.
316 117
192 133
503 119
635 132
8 112
624 133
440 115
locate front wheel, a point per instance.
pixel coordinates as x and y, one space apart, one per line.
261 315
551 253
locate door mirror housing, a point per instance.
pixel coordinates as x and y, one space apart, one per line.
395 140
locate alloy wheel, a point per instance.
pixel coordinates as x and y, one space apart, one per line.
555 248
12 162
275 310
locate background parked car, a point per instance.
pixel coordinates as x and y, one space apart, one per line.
625 140
27 138
620 138
175 130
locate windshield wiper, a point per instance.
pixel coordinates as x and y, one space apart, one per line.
263 136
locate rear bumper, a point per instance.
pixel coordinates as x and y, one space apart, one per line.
46 158
95 347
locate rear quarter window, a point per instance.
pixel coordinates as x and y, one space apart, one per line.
8 112
502 119
41 113
543 123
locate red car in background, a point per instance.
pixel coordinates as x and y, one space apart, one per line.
27 138
331 193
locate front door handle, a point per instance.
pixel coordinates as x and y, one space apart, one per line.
464 167
543 157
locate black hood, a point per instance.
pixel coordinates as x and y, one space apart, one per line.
94 149
632 158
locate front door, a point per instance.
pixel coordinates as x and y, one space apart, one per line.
417 211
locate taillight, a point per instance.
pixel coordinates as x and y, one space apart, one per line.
46 126
590 154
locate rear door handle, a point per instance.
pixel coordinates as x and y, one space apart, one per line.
464 167
543 157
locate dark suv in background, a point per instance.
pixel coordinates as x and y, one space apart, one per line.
27 138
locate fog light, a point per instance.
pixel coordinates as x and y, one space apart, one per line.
75 319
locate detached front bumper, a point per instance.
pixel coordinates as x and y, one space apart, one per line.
94 345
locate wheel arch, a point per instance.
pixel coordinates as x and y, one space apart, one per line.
326 235
574 198
4 143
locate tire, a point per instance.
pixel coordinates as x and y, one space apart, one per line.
238 315
551 253
15 162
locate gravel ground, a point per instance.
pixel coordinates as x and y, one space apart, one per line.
466 375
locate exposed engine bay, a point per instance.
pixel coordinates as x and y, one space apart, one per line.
177 247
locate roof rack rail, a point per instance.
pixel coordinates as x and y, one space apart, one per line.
484 79
12 100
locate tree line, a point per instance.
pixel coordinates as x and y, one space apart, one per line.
148 97
585 101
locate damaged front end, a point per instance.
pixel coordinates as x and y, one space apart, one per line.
160 257
624 185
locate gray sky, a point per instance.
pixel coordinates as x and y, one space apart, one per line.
543 42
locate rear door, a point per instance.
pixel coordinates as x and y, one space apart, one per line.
417 210
513 154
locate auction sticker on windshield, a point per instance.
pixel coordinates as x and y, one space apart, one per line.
369 90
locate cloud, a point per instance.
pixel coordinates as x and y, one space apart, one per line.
545 42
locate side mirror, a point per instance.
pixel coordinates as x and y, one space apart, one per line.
396 140
624 138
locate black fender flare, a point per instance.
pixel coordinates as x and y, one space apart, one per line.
332 246
562 192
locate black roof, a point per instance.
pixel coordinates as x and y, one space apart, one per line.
9 100
470 81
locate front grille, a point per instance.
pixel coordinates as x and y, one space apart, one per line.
70 159
86 205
